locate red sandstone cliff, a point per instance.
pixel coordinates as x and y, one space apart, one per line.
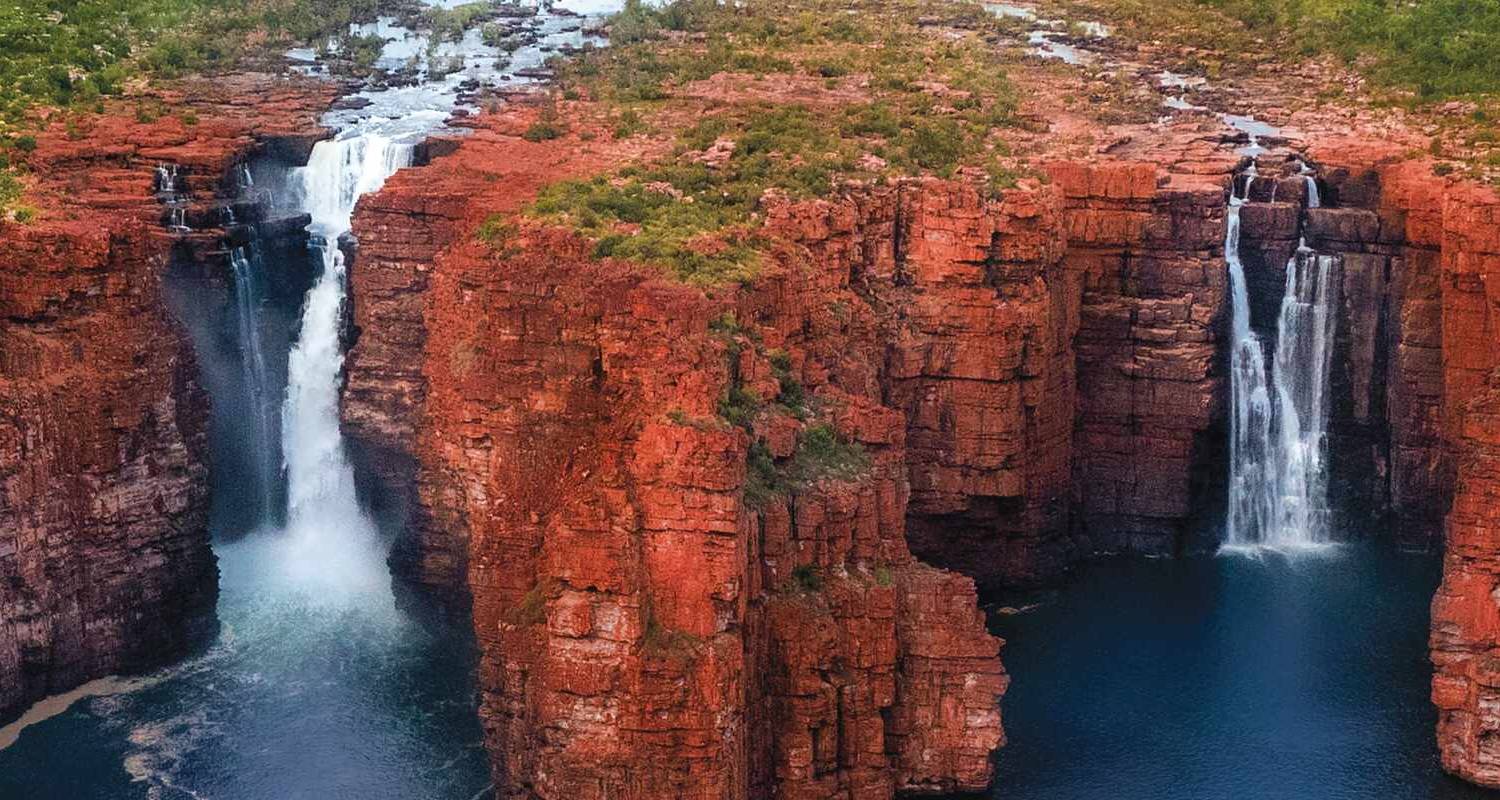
1465 611
1431 247
645 630
104 557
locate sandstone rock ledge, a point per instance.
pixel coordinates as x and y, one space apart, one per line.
646 630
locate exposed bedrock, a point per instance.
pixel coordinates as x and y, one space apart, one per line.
1466 611
645 629
105 563
1037 379
1145 240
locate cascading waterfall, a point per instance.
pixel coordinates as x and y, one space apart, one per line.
1278 473
333 543
318 686
256 378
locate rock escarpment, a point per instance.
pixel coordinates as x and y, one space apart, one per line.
648 627
104 555
1465 612
1417 404
1146 238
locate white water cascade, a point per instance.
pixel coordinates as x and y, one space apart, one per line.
254 374
1278 461
333 544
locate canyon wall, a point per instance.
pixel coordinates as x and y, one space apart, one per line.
1421 302
105 563
1146 238
1392 464
647 626
1465 611
1035 380
104 557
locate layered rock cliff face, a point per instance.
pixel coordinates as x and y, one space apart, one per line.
1415 436
1392 462
1465 612
104 556
1146 238
646 628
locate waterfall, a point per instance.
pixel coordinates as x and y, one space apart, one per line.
253 371
1278 459
333 543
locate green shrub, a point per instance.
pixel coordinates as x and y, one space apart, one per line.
937 145
822 454
808 578
635 22
738 407
703 228
791 393
541 131
499 232
762 481
1439 48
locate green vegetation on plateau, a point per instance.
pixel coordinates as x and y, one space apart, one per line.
1440 48
70 54
908 88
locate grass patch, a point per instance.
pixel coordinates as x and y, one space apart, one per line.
762 482
790 394
1438 48
72 55
924 102
821 454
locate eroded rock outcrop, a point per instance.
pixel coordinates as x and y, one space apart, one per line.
1146 238
1465 611
648 628
104 556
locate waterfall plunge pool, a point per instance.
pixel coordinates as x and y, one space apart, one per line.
1228 678
301 698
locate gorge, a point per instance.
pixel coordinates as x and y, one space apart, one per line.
694 415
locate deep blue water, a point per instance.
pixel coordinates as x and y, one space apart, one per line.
1198 679
1226 679
313 698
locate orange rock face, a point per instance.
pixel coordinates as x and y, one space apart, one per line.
1437 242
645 630
1037 378
1145 242
1465 612
104 557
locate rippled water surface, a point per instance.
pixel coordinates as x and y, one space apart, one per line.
1227 679
299 698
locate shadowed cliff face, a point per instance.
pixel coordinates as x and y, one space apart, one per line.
105 563
104 550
